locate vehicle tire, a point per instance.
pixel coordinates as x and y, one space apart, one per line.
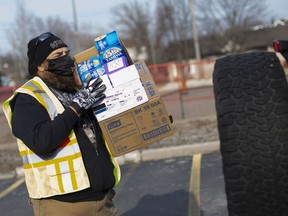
251 99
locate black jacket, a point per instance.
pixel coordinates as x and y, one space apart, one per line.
31 123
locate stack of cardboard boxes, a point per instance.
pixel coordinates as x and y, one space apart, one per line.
133 114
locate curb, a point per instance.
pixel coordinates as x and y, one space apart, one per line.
9 146
169 152
7 175
146 155
18 172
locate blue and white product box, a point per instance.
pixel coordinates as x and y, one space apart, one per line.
115 65
111 53
110 49
105 41
82 70
94 67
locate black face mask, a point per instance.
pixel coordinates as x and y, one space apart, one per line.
63 66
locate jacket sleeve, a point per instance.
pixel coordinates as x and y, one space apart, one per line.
31 124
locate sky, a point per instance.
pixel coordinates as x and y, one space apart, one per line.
96 12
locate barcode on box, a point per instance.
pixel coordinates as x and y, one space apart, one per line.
156 132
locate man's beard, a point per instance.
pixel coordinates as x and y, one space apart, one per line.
63 83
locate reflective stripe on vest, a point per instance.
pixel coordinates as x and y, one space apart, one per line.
28 155
62 171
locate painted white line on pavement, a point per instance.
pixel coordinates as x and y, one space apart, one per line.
12 187
194 189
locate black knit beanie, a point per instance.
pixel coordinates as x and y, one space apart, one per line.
40 47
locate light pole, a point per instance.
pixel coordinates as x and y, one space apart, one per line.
194 30
77 44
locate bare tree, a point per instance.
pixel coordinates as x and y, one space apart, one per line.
174 28
28 26
226 20
134 22
18 35
169 25
165 32
66 32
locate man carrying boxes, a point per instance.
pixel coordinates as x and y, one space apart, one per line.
68 168
68 164
133 114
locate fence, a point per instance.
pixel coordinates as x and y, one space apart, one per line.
173 72
167 73
162 74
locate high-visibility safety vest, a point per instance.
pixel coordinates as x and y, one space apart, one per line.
61 172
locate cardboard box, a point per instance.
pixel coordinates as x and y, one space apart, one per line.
105 41
147 80
82 59
121 98
134 85
90 61
134 114
112 54
137 127
118 98
122 92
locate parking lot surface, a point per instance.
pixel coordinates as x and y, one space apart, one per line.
184 186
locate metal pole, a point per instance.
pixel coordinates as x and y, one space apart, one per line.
180 83
76 27
182 105
195 34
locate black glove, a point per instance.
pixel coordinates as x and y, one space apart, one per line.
90 94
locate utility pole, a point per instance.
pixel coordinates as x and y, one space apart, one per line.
194 30
77 44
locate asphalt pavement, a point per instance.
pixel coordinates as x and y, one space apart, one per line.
181 186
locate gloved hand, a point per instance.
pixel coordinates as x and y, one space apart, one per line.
90 94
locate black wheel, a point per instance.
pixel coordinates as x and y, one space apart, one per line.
251 98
